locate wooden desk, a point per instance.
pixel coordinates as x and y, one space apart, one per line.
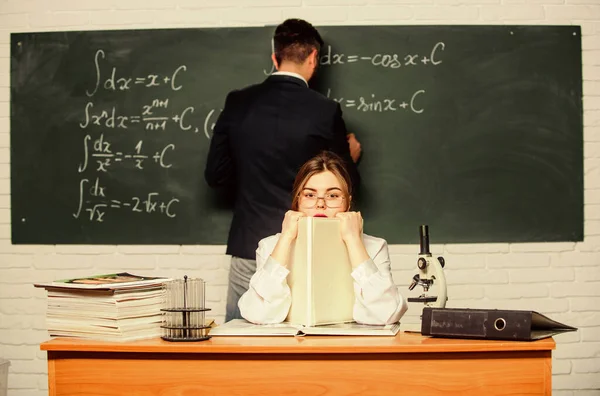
405 364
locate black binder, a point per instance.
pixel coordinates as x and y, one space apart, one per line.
489 324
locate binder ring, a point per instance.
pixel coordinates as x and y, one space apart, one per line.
499 324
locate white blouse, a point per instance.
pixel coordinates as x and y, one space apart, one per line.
377 300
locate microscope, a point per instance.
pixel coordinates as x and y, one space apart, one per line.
430 271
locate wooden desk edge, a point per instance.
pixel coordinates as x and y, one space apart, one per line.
403 343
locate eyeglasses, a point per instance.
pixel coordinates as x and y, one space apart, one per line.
309 199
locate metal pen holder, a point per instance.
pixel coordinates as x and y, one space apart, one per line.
183 315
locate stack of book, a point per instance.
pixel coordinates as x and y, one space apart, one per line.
113 307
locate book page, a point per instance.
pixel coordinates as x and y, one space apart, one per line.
353 328
241 327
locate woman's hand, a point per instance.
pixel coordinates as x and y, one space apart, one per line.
289 227
289 233
351 226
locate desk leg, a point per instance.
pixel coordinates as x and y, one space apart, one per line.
51 375
548 373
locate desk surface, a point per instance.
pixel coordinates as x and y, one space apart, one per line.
402 343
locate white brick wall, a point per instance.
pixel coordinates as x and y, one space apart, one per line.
560 279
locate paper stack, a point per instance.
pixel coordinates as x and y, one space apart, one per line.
113 307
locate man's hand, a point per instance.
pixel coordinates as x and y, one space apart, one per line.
354 145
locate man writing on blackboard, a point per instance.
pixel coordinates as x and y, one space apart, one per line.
262 137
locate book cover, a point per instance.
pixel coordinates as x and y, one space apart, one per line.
320 281
121 280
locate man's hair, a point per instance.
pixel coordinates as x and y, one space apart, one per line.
322 162
295 40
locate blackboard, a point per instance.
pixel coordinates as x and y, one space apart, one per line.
473 130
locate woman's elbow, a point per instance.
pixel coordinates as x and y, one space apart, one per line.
385 314
260 314
254 316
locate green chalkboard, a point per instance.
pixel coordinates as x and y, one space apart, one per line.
473 130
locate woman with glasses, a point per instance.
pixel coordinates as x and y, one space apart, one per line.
322 188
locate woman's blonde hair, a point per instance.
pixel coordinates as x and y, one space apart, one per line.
325 161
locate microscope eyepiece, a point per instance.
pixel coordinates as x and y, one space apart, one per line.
424 239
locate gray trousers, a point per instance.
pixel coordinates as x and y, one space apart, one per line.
239 280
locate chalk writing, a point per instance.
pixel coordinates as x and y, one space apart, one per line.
372 103
431 57
116 82
99 203
392 61
102 151
111 118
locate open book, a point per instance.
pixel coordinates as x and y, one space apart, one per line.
107 282
241 327
320 281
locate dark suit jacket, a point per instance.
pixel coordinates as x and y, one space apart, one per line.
261 139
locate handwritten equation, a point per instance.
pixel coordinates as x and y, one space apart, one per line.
101 151
114 120
101 155
116 82
392 61
93 200
372 103
328 57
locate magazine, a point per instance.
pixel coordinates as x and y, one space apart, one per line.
111 282
241 327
